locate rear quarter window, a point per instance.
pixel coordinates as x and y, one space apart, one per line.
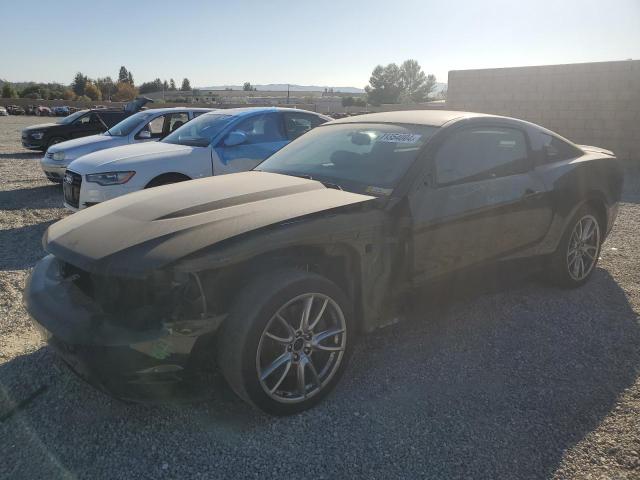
555 149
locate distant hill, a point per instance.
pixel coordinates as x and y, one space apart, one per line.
282 87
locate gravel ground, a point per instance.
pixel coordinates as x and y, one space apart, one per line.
527 382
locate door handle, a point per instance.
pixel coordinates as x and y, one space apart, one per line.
530 192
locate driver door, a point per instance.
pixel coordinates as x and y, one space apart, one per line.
484 201
264 136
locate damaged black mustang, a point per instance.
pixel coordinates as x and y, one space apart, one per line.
269 276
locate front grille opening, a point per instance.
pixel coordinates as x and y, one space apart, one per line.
134 303
71 188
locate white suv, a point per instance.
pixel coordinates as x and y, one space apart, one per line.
216 143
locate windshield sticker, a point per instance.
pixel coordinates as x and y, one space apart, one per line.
379 190
399 138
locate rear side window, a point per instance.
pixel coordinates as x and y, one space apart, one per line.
176 120
111 118
555 149
263 128
297 124
480 153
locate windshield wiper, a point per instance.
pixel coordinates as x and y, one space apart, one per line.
335 186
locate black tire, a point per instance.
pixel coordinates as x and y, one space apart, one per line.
253 310
54 140
559 268
166 179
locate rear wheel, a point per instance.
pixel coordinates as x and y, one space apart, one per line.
576 258
286 341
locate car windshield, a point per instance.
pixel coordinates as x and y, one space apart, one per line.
70 118
126 126
201 131
362 158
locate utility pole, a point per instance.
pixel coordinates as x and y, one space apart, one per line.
288 94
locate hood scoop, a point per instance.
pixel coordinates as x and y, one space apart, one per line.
242 200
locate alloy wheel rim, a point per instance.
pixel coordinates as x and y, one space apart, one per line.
583 249
301 348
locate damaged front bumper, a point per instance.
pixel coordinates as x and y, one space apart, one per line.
131 364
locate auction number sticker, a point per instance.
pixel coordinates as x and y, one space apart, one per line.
399 138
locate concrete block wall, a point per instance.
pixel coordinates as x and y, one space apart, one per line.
589 103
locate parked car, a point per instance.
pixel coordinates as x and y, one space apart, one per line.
43 111
276 272
15 110
61 111
216 143
144 126
3 112
79 124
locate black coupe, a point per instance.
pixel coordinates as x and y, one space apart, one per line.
274 273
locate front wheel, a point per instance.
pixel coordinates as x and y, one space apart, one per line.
54 141
576 258
286 341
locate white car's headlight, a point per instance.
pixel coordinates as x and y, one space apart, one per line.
37 135
58 156
110 178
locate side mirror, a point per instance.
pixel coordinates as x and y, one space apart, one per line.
235 138
144 134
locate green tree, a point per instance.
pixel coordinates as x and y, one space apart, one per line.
186 85
385 84
155 86
347 101
33 91
130 78
247 87
8 91
416 86
123 75
79 83
172 85
165 86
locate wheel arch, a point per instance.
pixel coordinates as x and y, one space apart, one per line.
339 263
178 176
598 203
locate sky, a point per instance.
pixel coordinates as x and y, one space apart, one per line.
334 43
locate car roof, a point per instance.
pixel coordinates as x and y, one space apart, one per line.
173 109
434 118
241 111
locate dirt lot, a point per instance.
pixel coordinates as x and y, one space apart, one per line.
527 382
